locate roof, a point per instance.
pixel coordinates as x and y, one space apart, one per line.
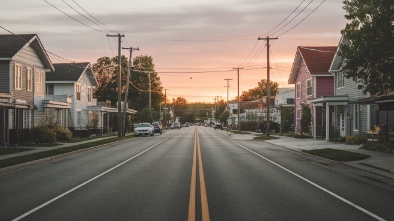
317 59
11 44
338 60
71 72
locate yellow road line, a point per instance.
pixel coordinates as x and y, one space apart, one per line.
192 200
203 191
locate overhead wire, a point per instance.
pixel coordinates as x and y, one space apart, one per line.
284 19
73 18
302 19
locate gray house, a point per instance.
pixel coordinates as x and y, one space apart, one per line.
23 63
344 114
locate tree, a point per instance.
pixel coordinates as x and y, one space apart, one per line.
146 115
106 72
224 116
180 106
260 91
370 52
306 118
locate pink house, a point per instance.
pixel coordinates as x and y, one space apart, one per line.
312 80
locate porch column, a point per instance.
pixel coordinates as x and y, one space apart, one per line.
327 122
314 122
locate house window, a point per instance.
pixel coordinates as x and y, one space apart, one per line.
39 81
89 94
298 90
18 77
298 113
79 88
356 117
309 87
340 80
29 80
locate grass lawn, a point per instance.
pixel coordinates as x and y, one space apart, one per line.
40 155
265 137
239 132
11 150
337 155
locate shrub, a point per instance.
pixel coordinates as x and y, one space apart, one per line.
43 134
354 140
63 134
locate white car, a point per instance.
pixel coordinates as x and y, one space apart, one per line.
144 129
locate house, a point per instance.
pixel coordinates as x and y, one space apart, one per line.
284 99
75 81
23 63
312 80
250 111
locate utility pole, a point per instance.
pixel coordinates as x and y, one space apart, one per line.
125 106
228 86
238 96
119 83
268 82
165 107
150 94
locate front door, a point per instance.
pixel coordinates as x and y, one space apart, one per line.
342 124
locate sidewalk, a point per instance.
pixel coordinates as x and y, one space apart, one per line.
378 163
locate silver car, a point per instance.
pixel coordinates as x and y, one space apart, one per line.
144 129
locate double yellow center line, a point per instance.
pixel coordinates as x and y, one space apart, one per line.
203 192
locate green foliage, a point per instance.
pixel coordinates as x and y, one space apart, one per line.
145 115
260 91
43 134
258 126
224 116
188 116
369 53
180 106
355 140
306 118
62 134
386 146
287 118
106 71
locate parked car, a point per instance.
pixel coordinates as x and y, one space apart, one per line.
175 126
158 128
218 126
144 129
187 124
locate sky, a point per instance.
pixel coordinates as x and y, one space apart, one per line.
195 44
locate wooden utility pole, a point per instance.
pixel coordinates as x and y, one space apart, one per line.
238 97
125 106
119 83
268 83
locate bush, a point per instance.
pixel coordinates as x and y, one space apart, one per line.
43 134
386 146
354 140
63 134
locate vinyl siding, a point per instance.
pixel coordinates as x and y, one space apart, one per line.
5 76
324 86
28 57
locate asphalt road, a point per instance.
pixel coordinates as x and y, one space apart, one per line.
194 173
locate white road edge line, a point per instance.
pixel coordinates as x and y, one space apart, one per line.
86 182
312 183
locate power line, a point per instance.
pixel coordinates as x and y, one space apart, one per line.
103 25
73 18
284 19
293 17
303 19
